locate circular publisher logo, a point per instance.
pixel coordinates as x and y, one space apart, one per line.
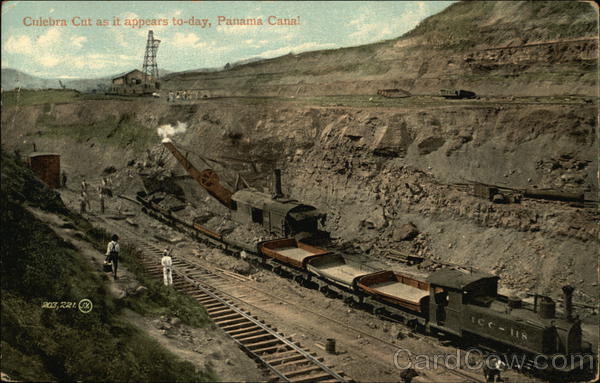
85 306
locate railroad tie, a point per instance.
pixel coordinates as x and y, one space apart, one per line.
231 321
303 371
283 360
249 334
282 355
274 350
225 317
256 338
311 378
219 311
238 327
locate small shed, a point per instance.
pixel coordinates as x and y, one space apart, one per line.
46 166
134 82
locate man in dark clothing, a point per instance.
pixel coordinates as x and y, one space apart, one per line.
407 375
492 369
112 254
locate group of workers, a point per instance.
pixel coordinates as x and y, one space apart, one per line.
183 95
112 260
105 190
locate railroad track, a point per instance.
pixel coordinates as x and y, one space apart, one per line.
217 289
286 359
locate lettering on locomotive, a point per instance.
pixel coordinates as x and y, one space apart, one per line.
485 322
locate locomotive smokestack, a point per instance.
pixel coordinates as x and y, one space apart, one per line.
277 183
568 291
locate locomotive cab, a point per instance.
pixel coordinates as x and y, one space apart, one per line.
280 216
451 290
467 305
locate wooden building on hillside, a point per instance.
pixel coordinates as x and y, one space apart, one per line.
132 83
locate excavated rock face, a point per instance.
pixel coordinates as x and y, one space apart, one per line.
377 167
374 170
520 48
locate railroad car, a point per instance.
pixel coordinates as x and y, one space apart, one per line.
279 215
341 271
457 93
467 304
459 303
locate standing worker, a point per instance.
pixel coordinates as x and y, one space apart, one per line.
112 254
407 375
86 198
84 185
101 202
81 203
492 368
167 264
64 179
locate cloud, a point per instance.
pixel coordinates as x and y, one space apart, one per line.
187 40
48 60
255 43
19 45
24 45
52 37
368 27
77 41
100 60
47 50
119 37
296 49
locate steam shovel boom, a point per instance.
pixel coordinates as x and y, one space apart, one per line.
207 178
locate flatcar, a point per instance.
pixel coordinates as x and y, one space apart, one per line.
459 303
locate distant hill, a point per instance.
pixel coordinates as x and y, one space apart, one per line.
12 78
494 48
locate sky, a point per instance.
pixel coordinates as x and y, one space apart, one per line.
78 50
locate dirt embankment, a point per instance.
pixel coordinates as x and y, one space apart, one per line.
375 169
564 67
492 48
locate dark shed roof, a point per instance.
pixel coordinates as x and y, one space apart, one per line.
125 74
39 154
457 279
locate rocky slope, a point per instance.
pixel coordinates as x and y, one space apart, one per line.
376 167
493 48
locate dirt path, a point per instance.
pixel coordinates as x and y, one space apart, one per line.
206 348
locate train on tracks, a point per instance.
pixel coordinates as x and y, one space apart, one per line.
462 304
278 215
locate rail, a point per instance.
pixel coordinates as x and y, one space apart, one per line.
219 305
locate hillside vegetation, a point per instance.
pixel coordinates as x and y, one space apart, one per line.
66 344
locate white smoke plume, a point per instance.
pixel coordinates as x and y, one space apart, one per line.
168 130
